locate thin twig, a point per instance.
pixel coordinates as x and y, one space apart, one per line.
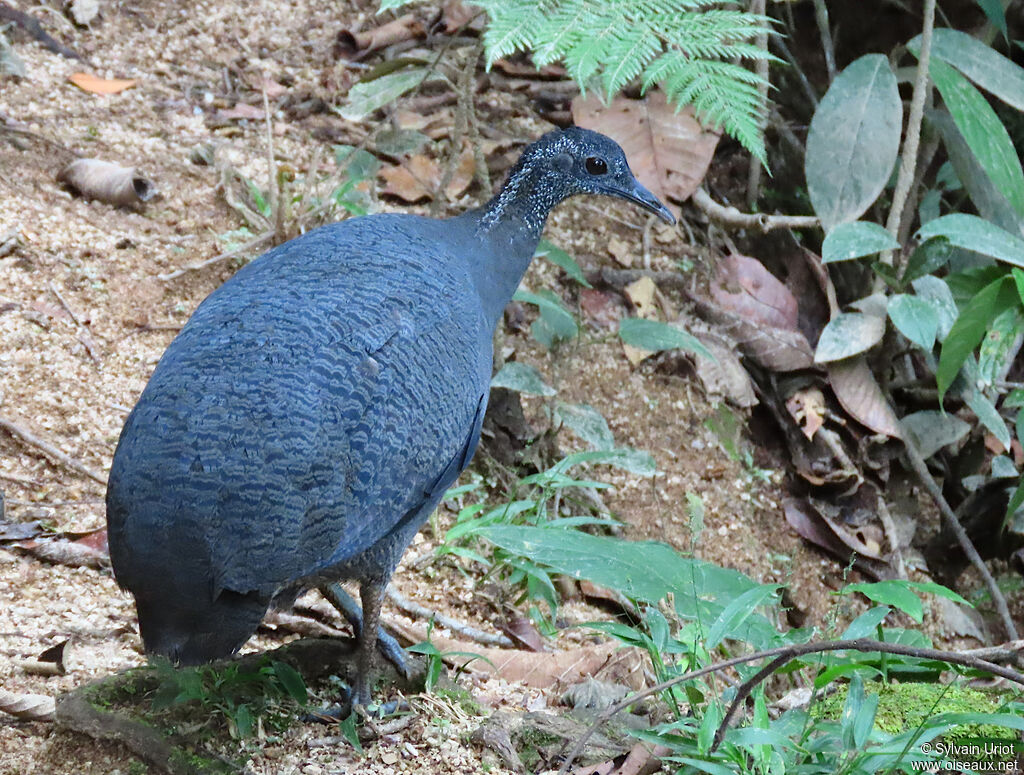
415 609
913 137
730 216
754 168
790 652
50 451
925 476
65 305
274 185
825 30
254 242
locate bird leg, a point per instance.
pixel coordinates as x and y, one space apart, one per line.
349 608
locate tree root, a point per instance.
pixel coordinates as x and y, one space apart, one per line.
89 711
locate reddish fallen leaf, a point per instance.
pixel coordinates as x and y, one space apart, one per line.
96 85
668 151
603 309
89 551
521 631
242 110
743 285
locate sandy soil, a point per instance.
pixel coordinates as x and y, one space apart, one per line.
84 318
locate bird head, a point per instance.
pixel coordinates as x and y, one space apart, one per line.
580 161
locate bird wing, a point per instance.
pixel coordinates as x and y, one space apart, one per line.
292 423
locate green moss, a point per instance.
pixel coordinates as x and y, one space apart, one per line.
531 742
905 706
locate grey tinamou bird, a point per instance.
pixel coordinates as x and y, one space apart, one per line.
311 414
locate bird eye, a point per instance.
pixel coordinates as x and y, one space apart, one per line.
596 166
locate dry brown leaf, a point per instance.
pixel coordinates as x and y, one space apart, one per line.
96 85
463 176
861 396
540 670
724 375
27 707
807 408
641 295
621 251
669 152
522 632
409 181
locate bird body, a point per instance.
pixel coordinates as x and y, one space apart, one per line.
313 411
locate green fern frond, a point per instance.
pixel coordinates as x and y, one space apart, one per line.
630 53
691 48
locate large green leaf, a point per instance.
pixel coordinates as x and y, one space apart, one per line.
932 430
848 334
522 378
656 336
645 571
935 291
587 423
563 260
981 63
367 96
991 204
973 233
982 130
969 328
915 318
856 239
853 141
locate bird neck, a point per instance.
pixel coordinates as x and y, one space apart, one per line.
509 226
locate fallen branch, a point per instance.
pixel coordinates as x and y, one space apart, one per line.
418 611
730 216
950 518
50 451
32 26
781 656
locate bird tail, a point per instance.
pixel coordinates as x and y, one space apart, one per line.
201 631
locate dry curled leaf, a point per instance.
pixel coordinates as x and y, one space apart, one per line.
27 707
108 182
350 44
96 85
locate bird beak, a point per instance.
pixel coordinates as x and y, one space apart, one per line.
646 200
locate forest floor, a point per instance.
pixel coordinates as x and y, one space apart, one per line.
84 317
